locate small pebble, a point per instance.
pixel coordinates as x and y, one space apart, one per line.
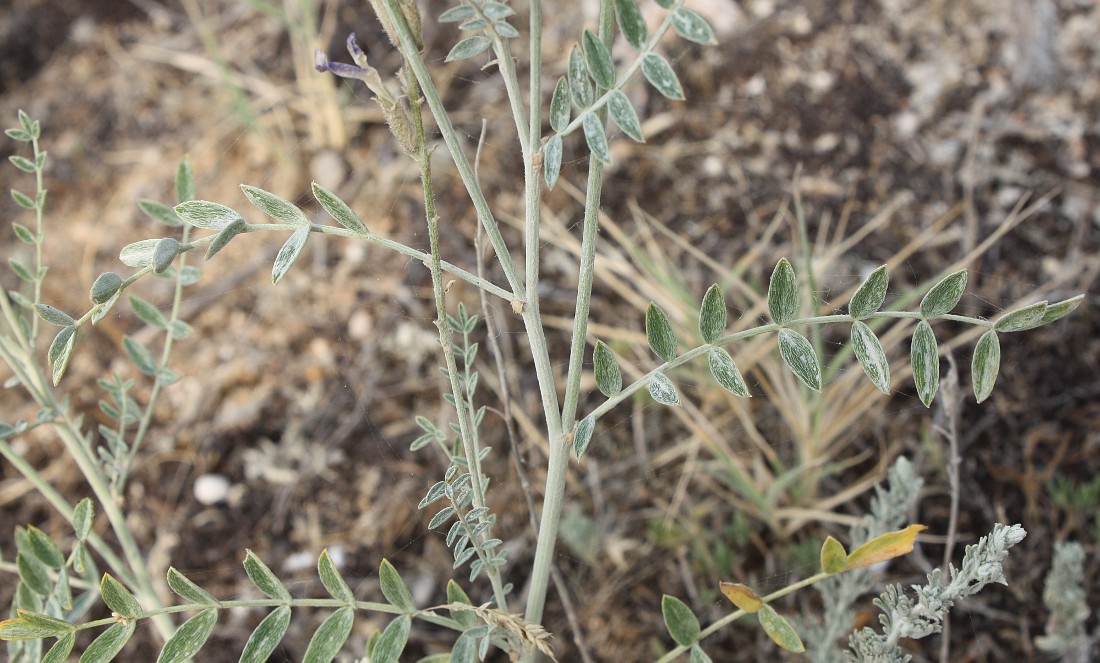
211 489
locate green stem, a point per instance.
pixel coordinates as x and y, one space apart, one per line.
738 614
143 582
426 615
39 238
586 271
62 506
166 352
420 256
412 57
446 340
554 496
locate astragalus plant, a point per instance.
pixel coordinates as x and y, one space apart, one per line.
508 611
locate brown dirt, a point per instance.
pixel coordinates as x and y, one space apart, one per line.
303 394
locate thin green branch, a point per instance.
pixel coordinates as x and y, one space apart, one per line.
412 56
158 384
738 614
446 341
62 506
554 498
684 358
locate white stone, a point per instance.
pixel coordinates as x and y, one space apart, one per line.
211 489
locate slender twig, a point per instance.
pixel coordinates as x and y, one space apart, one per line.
949 429
415 61
738 614
756 331
165 354
446 341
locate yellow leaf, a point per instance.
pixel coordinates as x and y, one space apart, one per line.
887 546
742 596
833 557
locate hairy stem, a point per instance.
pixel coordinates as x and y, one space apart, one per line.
446 340
413 58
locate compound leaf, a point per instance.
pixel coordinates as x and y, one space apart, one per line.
275 207
986 364
726 374
871 356
609 379
263 577
289 253
944 295
925 356
596 137
780 630
189 638
870 294
783 293
622 112
661 76
332 580
109 643
330 637
662 390
393 587
631 22
267 636
800 357
681 622
658 331
338 209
